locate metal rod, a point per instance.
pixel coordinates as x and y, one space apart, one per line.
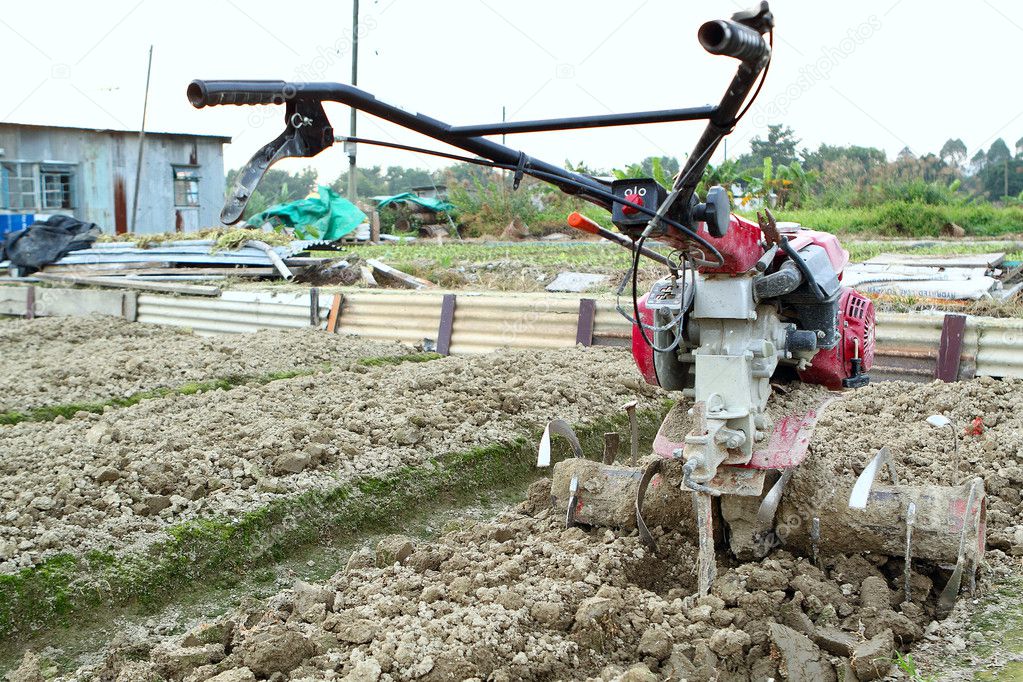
142 143
355 81
721 123
815 540
908 570
274 257
214 93
577 122
955 450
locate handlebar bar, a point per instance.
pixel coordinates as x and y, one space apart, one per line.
307 130
733 39
212 93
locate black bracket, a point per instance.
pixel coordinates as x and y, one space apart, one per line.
520 168
307 132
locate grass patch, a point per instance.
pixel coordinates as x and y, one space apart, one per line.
68 410
865 250
219 549
910 219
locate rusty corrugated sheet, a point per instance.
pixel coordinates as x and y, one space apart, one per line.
390 315
907 347
489 321
999 346
609 327
907 343
233 313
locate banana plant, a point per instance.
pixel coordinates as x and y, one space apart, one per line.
793 184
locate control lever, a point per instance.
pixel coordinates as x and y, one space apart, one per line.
307 132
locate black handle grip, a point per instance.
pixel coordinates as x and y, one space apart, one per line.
212 93
733 40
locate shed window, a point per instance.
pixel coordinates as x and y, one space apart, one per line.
58 187
18 185
186 186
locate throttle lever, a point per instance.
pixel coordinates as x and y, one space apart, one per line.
307 132
759 17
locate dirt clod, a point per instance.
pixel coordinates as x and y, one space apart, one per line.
873 659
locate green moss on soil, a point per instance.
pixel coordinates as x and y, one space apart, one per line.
220 549
50 412
398 359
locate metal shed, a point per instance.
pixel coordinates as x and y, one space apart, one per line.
89 173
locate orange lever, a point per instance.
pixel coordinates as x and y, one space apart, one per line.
581 222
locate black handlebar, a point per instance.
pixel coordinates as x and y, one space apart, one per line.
307 130
733 39
211 93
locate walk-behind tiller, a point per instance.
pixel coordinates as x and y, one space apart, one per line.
742 304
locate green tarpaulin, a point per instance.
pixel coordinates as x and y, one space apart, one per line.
425 202
330 215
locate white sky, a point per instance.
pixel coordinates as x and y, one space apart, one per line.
884 73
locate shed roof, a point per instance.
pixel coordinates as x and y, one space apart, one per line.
223 138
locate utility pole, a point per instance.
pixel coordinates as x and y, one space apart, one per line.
355 81
142 143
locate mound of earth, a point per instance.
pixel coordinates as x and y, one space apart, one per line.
523 598
64 360
120 479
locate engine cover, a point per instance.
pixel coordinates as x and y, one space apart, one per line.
837 367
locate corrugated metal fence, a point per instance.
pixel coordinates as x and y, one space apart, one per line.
908 344
481 322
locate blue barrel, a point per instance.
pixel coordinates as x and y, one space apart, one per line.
12 222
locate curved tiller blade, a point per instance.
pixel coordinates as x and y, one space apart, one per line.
561 428
951 592
861 490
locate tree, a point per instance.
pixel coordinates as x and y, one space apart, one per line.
780 146
994 177
276 187
865 158
793 184
400 179
668 165
906 154
1019 147
953 152
369 182
725 174
978 161
998 152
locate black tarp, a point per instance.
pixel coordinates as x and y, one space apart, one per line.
42 243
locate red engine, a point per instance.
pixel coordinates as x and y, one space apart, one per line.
851 319
845 365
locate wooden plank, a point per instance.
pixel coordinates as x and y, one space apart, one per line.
950 348
447 323
12 300
335 313
30 303
130 306
380 268
584 328
126 283
314 307
374 227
